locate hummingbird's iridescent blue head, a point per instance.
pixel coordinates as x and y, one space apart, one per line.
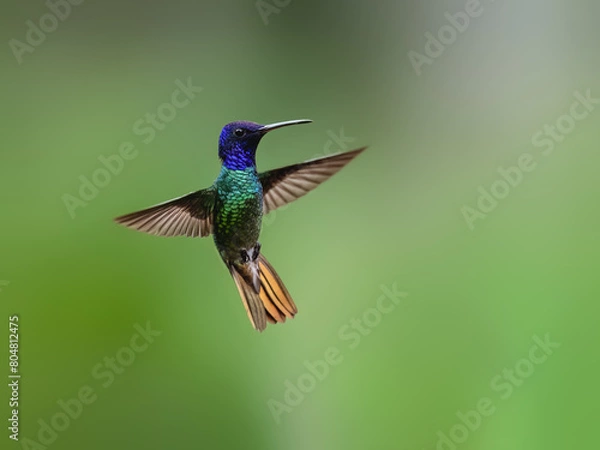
238 142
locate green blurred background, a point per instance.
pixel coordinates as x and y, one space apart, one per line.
476 298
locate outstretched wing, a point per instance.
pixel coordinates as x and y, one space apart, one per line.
284 185
190 215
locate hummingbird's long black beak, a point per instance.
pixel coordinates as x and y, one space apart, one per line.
273 126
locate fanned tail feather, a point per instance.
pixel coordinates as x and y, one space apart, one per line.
272 302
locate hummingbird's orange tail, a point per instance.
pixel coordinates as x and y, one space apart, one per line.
272 302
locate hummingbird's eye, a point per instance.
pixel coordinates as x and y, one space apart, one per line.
239 132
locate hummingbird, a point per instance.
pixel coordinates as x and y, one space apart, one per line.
232 210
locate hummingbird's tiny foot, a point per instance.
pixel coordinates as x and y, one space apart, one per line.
244 256
256 251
